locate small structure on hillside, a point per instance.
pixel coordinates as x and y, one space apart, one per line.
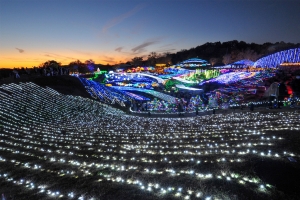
241 64
193 63
273 90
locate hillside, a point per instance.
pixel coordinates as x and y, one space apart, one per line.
67 85
234 51
65 147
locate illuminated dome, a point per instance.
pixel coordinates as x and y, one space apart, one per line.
193 63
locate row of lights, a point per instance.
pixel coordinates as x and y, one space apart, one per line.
126 144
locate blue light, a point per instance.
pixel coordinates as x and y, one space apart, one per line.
274 60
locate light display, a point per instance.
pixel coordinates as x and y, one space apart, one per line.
196 76
138 69
231 77
240 64
291 64
183 80
137 97
189 88
194 62
171 84
274 60
236 85
97 73
109 95
154 93
59 146
129 76
171 72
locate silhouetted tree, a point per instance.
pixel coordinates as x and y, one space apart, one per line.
237 51
78 66
152 58
240 56
226 59
51 63
137 61
250 54
168 55
165 58
213 61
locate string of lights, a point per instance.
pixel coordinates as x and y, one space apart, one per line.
49 139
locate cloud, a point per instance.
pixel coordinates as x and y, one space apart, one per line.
53 55
166 51
167 48
121 18
107 59
20 50
141 48
119 49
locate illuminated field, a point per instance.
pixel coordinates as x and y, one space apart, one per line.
64 147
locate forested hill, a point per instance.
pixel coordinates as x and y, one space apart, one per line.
231 51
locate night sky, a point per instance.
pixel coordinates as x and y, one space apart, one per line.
114 31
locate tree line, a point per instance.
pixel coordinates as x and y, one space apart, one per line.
216 53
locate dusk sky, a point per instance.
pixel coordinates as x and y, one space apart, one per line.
114 31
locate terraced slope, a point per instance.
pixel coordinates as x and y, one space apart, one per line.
55 146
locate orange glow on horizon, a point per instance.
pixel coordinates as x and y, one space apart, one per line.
30 61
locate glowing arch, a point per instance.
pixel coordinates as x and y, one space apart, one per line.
159 80
274 60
